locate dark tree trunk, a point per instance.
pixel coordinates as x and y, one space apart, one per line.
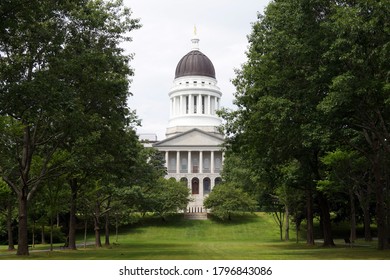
364 197
309 217
297 229
43 240
51 233
380 207
72 213
107 229
22 231
352 236
96 220
326 222
367 224
11 245
287 224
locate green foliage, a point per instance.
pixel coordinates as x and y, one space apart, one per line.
226 199
63 95
316 81
168 196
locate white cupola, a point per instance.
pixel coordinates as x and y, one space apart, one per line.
195 96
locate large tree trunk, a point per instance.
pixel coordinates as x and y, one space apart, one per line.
11 245
367 223
287 224
364 200
326 222
51 232
98 242
352 236
297 229
22 231
72 214
43 240
309 217
380 206
107 229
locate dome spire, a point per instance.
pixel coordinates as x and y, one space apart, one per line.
195 40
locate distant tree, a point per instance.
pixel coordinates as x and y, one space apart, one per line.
168 196
226 199
7 210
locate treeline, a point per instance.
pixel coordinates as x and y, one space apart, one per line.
310 134
68 147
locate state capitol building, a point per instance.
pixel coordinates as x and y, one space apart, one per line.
192 148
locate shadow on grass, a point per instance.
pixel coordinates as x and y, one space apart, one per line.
236 219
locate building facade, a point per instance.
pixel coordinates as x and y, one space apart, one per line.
192 148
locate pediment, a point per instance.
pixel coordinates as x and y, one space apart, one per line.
194 137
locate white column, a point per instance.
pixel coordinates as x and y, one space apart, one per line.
190 104
199 104
181 107
166 159
212 162
174 107
189 162
200 162
222 160
208 105
177 162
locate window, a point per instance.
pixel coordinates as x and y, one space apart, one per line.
183 166
185 181
195 103
203 104
206 186
195 186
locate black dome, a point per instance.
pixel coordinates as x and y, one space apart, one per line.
195 63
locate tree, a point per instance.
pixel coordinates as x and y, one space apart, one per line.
54 53
348 173
31 36
168 196
7 202
358 98
278 91
226 199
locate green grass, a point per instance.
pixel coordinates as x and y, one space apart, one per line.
249 237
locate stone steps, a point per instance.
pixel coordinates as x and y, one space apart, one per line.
196 216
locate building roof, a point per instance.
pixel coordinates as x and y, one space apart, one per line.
195 63
192 138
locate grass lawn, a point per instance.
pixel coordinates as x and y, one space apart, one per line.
250 237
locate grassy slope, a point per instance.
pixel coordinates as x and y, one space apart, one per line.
249 237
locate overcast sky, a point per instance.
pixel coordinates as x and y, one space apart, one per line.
165 37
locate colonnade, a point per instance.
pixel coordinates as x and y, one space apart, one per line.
194 104
193 161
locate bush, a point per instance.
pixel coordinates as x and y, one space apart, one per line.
226 199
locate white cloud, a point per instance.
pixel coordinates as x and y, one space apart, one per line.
164 38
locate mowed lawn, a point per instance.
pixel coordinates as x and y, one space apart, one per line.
249 237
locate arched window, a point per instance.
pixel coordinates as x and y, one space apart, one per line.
184 180
217 181
206 186
195 186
